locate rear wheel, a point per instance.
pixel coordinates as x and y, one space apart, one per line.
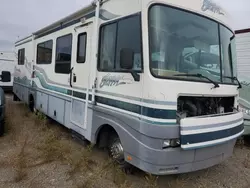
15 98
116 152
32 104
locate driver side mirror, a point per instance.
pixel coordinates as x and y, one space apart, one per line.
127 62
126 58
5 77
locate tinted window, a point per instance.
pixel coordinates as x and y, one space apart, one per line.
63 54
21 56
125 33
44 52
107 48
81 49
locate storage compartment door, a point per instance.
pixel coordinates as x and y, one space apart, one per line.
42 102
56 109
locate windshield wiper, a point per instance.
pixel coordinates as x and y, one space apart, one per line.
216 85
234 78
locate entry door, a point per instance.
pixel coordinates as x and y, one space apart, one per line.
80 74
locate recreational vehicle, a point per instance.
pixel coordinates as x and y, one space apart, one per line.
153 81
243 67
7 63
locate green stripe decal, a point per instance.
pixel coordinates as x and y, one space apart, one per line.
50 87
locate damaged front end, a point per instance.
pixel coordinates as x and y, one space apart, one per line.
207 121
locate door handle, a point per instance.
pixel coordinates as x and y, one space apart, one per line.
70 76
74 77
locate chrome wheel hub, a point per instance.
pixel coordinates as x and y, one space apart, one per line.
117 152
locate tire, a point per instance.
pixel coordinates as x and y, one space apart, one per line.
117 154
2 128
32 105
247 140
15 98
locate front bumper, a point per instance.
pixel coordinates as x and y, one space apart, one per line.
178 161
199 132
205 142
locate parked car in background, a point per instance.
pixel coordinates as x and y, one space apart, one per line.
4 77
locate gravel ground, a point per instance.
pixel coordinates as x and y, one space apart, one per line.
36 152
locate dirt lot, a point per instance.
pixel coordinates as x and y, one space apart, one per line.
35 152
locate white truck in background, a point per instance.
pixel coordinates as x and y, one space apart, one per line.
7 63
243 66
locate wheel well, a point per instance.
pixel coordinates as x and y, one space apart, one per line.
104 134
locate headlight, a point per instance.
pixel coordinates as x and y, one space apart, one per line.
171 143
244 110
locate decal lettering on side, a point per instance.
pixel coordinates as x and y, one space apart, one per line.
114 80
211 6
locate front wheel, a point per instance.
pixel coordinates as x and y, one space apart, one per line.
116 152
247 140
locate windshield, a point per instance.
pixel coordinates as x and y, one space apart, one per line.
183 42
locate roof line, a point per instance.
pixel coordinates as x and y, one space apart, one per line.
23 39
240 31
66 19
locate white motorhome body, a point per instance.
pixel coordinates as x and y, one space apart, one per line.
7 63
243 66
113 72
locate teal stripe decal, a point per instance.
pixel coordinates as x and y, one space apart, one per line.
138 109
50 87
149 101
25 81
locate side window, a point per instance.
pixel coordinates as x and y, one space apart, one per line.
21 56
107 47
125 33
44 52
63 54
81 48
129 36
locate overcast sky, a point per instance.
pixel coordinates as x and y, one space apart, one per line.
19 18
